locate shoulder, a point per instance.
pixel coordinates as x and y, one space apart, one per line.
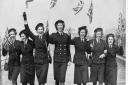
103 41
53 34
18 42
75 38
30 41
91 41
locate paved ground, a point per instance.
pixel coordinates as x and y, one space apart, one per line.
69 76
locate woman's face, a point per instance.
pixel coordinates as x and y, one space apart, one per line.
40 30
98 34
82 33
60 27
110 40
12 35
23 37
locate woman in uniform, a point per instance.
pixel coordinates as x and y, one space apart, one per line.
82 48
27 74
41 53
13 49
62 55
98 47
111 65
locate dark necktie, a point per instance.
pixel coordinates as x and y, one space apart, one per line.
40 37
110 46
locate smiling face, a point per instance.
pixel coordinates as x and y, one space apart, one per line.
99 34
12 35
23 37
60 27
82 33
110 40
40 30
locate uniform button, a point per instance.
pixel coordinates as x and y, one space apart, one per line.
60 49
60 53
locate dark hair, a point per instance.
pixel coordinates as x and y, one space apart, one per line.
110 35
98 30
24 32
39 25
59 21
12 29
83 28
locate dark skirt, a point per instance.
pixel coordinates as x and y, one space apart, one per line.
81 74
59 71
111 75
27 73
41 72
13 72
97 73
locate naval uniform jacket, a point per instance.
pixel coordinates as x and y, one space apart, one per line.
62 47
111 55
41 55
14 53
81 50
27 52
97 50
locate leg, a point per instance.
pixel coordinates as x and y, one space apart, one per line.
94 83
100 83
56 82
78 84
14 82
56 72
61 83
24 83
62 71
32 83
84 83
41 83
106 83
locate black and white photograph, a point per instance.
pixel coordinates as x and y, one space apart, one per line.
63 42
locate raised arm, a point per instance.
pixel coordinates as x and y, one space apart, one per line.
27 27
4 51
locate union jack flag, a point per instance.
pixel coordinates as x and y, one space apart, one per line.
53 3
79 7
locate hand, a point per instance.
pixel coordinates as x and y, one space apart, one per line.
69 31
47 27
91 45
25 16
69 63
105 51
102 56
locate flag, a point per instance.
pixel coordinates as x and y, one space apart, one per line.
53 3
6 40
79 7
27 2
90 12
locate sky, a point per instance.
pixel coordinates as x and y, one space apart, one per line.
105 14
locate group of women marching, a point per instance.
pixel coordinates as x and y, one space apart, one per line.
97 53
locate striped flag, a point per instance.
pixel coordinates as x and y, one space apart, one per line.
53 3
90 12
79 7
27 1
